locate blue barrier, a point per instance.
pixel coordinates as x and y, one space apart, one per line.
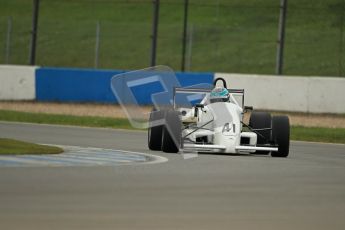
85 85
74 85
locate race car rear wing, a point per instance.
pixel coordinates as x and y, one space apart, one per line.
234 92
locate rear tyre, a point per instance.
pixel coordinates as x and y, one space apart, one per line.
154 134
260 120
171 135
281 135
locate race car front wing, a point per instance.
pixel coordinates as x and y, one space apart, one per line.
220 148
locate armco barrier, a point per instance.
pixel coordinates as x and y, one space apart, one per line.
84 85
282 93
17 82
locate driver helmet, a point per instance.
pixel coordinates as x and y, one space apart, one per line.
219 94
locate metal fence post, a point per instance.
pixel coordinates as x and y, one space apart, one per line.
8 40
184 35
98 30
281 38
154 31
190 45
36 4
341 44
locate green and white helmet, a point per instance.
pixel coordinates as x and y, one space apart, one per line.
219 94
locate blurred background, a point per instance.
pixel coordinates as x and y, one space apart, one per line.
221 36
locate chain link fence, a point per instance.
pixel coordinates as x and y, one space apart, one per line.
222 36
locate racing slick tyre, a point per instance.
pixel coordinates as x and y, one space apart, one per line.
281 135
260 120
171 135
155 130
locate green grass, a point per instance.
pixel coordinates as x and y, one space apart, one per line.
41 118
15 147
228 36
332 135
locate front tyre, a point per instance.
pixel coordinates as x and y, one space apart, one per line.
154 134
171 135
261 120
281 135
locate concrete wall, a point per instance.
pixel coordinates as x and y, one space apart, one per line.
17 82
300 94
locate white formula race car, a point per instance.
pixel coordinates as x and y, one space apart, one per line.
215 124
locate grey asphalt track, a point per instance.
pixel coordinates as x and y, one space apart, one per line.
304 191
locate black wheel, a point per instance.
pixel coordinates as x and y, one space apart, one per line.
155 131
281 135
260 120
171 135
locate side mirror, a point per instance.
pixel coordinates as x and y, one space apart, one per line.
201 106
